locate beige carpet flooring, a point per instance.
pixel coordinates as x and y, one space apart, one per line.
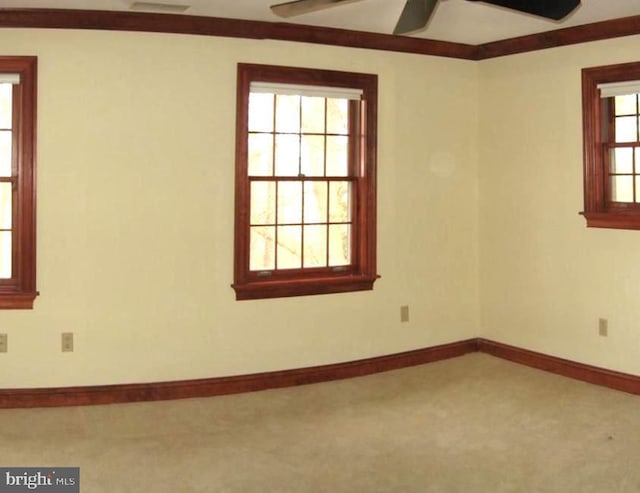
469 424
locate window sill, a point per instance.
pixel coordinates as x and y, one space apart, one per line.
613 219
282 288
17 301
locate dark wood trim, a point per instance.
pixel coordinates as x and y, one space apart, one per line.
238 28
17 301
361 274
110 394
19 292
593 181
612 220
209 387
233 28
599 211
587 373
302 287
615 28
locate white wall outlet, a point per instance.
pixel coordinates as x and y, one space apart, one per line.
4 343
67 342
603 327
404 313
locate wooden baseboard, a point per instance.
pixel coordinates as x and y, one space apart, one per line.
208 387
111 394
592 374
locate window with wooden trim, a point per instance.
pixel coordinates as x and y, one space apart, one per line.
305 214
611 123
622 147
17 182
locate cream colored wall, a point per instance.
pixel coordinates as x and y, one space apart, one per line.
135 214
545 277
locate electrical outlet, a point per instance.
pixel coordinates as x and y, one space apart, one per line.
67 342
404 313
3 343
603 327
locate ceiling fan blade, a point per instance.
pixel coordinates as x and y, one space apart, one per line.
550 9
415 16
298 7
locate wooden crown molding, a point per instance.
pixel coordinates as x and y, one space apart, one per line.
238 28
596 31
233 28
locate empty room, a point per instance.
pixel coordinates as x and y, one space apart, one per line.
346 246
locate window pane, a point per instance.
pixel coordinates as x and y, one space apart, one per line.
313 115
305 215
6 105
622 160
315 246
260 155
5 153
263 202
339 201
261 112
5 188
337 156
288 114
262 248
339 244
622 188
289 202
626 129
5 205
5 255
637 149
287 155
337 116
637 189
313 155
626 105
315 202
289 247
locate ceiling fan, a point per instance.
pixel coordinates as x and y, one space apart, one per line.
416 13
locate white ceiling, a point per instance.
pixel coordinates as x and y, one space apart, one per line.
453 20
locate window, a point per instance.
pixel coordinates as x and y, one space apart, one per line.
611 123
305 214
17 182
